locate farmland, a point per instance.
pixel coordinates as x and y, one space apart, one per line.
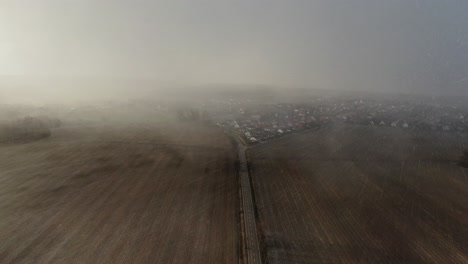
355 194
130 194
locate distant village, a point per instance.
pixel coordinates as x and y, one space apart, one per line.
260 123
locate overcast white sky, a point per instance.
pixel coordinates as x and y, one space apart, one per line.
345 44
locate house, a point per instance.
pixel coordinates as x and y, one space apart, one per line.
394 124
405 125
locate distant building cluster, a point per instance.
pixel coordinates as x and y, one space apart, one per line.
260 123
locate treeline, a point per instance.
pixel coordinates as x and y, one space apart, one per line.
28 129
190 114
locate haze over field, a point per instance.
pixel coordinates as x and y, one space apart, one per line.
233 131
401 45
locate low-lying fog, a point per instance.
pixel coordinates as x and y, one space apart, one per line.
84 50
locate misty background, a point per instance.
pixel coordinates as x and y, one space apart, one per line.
59 49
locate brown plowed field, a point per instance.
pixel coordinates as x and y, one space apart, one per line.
352 194
120 196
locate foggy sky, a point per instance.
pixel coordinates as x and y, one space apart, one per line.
379 45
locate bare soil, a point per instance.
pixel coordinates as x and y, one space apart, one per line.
353 194
120 195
